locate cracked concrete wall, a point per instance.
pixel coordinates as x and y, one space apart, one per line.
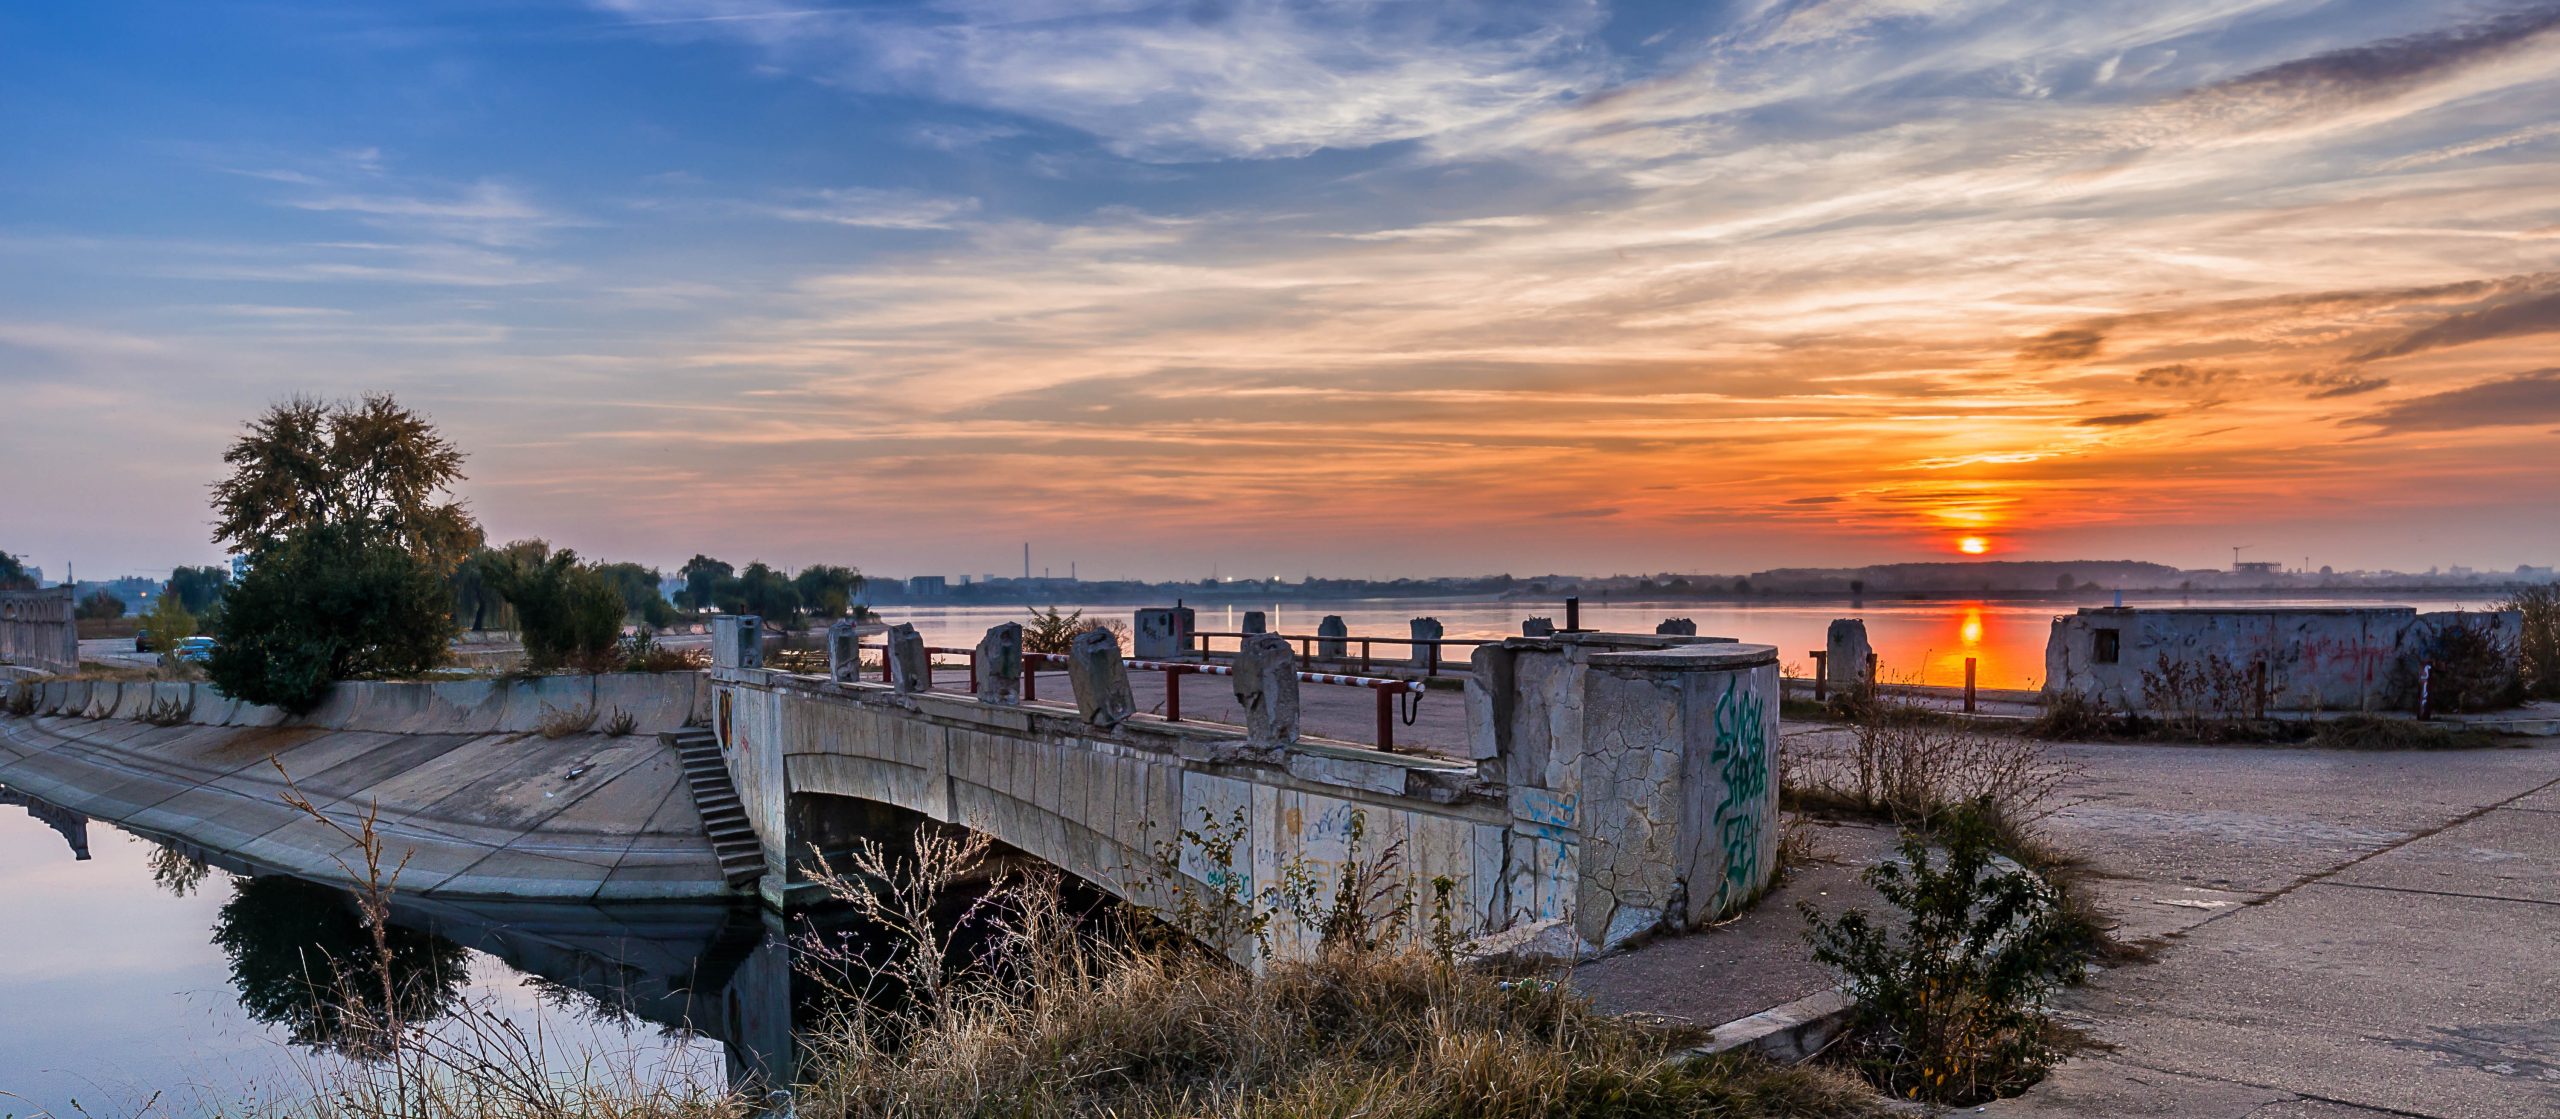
1678 788
2317 658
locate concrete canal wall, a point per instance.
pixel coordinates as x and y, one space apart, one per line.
462 783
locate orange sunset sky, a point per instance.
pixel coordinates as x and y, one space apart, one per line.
1358 289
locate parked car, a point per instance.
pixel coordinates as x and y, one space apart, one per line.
195 650
142 641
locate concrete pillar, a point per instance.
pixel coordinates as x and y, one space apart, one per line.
1425 629
1678 790
1256 622
1538 627
910 667
1266 682
1677 627
844 653
1848 650
737 641
1000 664
1100 679
1329 637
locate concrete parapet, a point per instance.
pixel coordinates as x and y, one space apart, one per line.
737 641
1679 783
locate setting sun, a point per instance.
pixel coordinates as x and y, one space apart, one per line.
1972 546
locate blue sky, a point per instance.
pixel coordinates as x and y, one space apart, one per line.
1353 287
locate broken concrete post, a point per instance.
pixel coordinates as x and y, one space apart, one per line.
1847 649
910 667
1163 632
1424 630
737 641
1100 679
1538 627
1330 634
1256 622
1266 678
844 653
1677 627
1000 664
1678 789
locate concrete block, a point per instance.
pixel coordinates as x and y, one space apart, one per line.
1101 679
1266 683
1537 627
1256 622
737 641
1330 635
1425 630
1164 632
1846 650
910 667
1000 664
844 653
1677 627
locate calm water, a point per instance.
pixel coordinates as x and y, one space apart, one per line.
139 971
1918 641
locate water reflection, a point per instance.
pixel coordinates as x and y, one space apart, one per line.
72 826
302 958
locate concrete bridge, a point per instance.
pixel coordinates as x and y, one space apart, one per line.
1614 785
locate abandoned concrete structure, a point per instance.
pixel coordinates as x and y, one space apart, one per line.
1615 784
2281 658
37 629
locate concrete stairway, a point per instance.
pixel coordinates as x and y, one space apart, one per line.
723 818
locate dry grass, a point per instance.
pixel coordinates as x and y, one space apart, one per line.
557 722
1912 771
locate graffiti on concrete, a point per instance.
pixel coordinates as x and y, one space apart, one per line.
1741 758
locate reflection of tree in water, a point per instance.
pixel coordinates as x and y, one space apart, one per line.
176 871
301 957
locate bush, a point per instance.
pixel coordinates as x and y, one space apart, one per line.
99 605
1951 1006
2212 700
1052 632
569 612
2538 646
326 604
2469 668
2068 716
1912 770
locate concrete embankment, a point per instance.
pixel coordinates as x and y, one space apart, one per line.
464 784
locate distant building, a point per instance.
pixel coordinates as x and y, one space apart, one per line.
923 586
2257 567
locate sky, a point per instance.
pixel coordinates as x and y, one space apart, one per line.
1271 288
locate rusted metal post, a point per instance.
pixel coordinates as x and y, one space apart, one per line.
1432 667
1821 675
1386 720
973 672
1968 685
1364 654
1030 677
1172 694
884 662
2258 689
1573 615
1874 662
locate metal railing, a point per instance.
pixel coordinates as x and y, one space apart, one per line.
1386 688
1309 645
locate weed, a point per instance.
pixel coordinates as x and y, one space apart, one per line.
170 712
619 724
24 696
2072 717
559 722
1052 632
2373 732
1951 1005
1910 771
2538 642
2211 700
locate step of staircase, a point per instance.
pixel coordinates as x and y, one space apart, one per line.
715 797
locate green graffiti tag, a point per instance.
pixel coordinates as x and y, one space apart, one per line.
1741 758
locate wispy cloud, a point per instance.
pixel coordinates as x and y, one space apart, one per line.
874 209
2520 399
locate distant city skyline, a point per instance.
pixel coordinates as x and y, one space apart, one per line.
1366 289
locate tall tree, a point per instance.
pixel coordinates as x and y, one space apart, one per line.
571 614
827 590
13 574
768 593
703 576
309 464
638 586
198 587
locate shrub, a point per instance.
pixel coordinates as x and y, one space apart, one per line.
1951 1006
330 603
2373 732
2212 700
99 604
2067 716
2538 646
1052 632
560 722
620 724
23 698
2468 668
569 613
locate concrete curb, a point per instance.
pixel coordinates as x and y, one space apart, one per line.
1788 1034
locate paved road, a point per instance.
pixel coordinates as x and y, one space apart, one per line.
2346 935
